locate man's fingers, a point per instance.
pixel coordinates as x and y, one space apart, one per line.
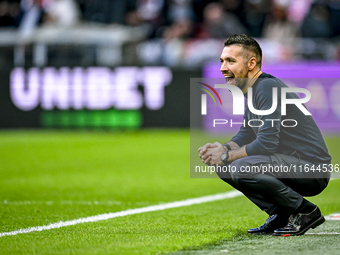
204 148
207 160
201 155
205 156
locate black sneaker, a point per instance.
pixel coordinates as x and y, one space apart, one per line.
298 224
273 222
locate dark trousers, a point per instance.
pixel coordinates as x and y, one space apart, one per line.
276 183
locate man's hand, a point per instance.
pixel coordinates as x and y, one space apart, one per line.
205 155
216 153
211 153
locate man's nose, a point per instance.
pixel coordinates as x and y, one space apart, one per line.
224 68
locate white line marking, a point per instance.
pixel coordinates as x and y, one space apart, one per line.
107 216
324 233
333 216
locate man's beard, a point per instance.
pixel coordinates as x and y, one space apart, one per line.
242 82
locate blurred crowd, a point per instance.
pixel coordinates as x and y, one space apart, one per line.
169 19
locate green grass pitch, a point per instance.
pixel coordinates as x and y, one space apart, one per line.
52 176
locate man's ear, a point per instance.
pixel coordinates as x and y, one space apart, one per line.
252 63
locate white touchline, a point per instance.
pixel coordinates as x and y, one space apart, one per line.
152 208
106 216
324 233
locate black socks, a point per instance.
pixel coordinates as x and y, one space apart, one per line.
306 207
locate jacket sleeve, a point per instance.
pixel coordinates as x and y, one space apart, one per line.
245 135
267 140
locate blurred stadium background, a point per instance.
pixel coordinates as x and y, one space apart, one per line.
72 70
60 59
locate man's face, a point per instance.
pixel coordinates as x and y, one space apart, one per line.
233 66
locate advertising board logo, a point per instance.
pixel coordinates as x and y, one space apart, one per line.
93 88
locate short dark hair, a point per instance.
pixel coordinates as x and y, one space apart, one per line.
248 43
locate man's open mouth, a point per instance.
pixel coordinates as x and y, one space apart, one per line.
229 78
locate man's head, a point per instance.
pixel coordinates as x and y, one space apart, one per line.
241 58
